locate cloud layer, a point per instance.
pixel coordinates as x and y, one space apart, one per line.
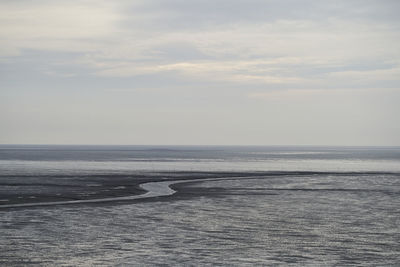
205 58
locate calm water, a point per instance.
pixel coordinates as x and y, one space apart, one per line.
278 206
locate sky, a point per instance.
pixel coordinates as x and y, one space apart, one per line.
209 72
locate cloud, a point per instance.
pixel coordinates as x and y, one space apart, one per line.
216 60
199 14
255 42
54 25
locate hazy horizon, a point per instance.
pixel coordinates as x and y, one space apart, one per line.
150 146
268 73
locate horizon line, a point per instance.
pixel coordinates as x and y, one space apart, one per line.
199 145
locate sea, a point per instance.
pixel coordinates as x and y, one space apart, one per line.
81 205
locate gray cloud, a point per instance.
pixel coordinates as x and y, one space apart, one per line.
212 72
187 14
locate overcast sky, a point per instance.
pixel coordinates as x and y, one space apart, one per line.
216 72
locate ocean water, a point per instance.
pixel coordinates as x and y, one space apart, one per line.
199 206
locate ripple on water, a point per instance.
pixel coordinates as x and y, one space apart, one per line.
300 227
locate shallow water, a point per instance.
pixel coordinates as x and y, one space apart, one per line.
285 219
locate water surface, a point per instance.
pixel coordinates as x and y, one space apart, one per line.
273 205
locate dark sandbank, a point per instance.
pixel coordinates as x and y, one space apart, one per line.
35 189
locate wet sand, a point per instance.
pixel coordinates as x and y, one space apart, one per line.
33 189
100 189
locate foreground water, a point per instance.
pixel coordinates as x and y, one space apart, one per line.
266 206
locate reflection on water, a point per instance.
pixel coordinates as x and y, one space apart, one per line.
61 160
348 215
301 220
